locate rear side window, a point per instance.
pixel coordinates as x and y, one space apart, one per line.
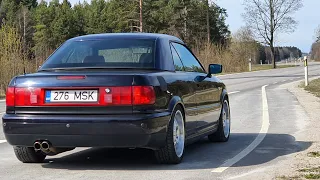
125 53
190 63
176 60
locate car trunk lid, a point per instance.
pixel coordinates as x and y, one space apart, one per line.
95 93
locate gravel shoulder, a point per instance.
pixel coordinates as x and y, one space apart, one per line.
303 164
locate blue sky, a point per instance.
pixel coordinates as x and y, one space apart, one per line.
308 17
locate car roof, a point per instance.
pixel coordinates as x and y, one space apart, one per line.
154 36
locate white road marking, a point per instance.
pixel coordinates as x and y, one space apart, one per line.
284 81
234 92
262 134
3 141
2 100
275 82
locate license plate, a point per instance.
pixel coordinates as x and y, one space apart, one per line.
71 96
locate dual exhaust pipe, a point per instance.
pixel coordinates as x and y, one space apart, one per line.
42 146
47 148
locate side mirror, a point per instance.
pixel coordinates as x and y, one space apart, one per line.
215 68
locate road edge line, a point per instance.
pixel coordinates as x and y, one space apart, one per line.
262 134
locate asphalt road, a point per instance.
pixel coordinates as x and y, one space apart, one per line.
264 120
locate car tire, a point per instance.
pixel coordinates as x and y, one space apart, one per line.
173 151
223 132
28 155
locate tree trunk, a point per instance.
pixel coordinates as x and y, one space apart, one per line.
273 59
271 4
141 24
208 21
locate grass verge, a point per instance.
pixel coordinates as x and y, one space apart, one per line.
288 178
314 154
314 87
312 176
257 67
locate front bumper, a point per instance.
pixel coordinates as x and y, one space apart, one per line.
114 131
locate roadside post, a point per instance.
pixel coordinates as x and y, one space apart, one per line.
306 71
250 65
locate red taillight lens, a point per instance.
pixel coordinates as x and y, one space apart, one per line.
28 96
143 95
118 95
129 95
10 96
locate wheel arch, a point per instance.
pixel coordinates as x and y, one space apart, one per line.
174 102
224 95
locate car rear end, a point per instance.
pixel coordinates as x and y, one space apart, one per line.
73 103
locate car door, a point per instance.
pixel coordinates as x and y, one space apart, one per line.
207 93
185 86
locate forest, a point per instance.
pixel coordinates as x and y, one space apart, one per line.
30 30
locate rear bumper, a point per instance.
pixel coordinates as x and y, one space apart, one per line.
118 131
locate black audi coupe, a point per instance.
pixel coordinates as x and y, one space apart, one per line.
117 90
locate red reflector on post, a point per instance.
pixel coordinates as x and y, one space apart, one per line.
10 96
143 95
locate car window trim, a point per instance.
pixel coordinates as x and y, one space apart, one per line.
204 71
172 48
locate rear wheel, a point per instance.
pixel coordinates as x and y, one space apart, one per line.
28 155
173 151
223 132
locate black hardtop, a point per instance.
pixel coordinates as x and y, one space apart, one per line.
154 36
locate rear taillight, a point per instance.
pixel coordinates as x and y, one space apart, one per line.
10 96
143 95
28 96
129 95
108 96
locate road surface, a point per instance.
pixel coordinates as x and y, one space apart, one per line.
264 119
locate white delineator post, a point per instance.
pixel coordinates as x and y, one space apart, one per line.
250 65
306 71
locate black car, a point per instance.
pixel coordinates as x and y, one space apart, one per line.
118 90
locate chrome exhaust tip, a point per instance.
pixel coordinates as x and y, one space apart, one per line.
45 146
37 146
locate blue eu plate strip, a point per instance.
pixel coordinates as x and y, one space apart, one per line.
48 96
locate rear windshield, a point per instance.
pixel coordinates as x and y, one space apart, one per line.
125 53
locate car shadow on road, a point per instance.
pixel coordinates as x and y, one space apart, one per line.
200 155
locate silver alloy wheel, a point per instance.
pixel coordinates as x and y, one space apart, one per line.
178 133
226 118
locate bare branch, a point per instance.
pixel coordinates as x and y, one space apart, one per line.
269 17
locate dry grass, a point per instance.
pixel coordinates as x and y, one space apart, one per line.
13 60
314 87
312 176
233 58
258 67
288 178
314 154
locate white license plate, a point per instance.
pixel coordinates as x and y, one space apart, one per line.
72 96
